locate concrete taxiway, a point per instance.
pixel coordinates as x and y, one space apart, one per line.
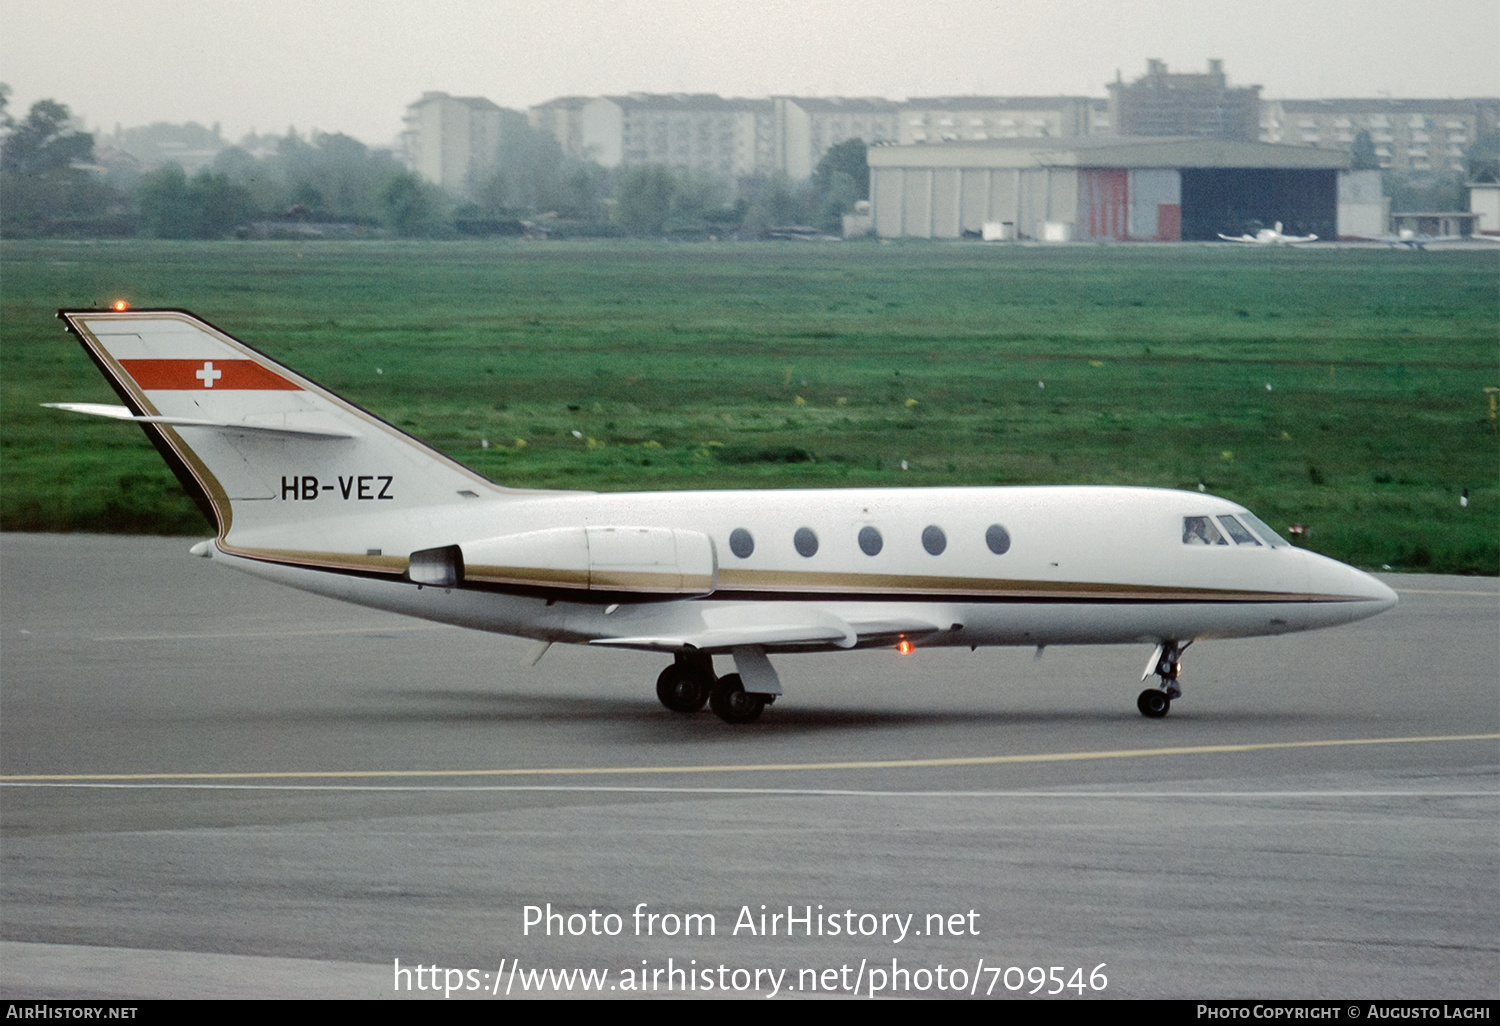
213 786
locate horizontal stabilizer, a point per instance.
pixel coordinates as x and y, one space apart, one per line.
123 413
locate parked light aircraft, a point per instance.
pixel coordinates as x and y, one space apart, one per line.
1270 237
1413 239
308 490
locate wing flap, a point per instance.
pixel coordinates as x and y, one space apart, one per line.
826 629
877 630
730 637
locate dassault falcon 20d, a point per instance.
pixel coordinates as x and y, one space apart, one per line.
308 490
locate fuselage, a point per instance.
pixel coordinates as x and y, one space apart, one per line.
944 566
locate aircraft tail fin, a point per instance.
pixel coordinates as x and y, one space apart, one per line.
257 445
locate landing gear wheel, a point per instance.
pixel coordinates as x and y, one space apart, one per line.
732 703
1153 703
680 689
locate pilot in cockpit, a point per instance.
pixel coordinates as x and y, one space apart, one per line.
1200 531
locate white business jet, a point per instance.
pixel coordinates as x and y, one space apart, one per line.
308 490
1270 237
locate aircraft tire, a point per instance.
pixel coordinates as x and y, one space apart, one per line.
1153 703
732 703
681 690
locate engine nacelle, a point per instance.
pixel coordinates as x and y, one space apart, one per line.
644 560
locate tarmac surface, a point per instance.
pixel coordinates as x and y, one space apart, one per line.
214 787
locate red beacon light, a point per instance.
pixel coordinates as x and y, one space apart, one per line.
121 305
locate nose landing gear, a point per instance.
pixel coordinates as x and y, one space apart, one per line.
1166 661
1153 703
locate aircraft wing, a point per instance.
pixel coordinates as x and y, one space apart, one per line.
822 628
1414 241
1238 238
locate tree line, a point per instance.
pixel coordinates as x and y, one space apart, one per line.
53 183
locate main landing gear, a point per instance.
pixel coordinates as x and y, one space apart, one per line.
1167 663
690 683
685 685
732 703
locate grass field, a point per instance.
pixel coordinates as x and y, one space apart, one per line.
1340 389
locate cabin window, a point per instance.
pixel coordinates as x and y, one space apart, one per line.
1201 531
998 539
934 540
870 542
1237 532
805 541
740 543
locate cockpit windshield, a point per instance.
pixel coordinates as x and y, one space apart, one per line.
1201 531
1267 535
1237 531
1223 529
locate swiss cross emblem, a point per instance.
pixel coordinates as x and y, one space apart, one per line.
208 375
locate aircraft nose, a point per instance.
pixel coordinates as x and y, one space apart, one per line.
1360 593
1381 592
1370 589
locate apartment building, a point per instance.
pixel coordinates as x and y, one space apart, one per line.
453 141
1408 135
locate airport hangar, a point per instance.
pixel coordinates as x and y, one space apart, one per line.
1119 188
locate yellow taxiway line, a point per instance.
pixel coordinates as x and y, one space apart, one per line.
788 767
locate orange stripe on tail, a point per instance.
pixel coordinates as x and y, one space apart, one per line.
206 375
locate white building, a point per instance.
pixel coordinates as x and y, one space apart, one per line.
452 141
1484 200
805 128
699 131
949 119
730 137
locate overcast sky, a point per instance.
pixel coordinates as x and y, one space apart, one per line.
354 65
